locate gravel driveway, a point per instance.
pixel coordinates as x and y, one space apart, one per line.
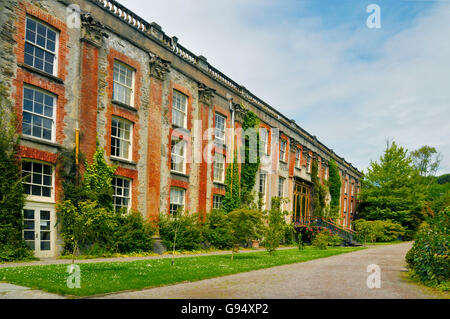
341 276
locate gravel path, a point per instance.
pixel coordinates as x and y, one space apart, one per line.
341 276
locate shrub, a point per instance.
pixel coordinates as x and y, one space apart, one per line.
336 240
217 230
429 256
321 240
133 234
377 230
185 227
276 224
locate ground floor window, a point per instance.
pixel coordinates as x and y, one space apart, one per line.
177 199
122 193
217 201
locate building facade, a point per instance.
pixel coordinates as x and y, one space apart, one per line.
94 67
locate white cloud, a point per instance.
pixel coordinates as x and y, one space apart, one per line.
311 75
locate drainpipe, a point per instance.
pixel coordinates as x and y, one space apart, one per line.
230 99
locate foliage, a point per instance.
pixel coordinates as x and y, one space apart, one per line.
321 240
429 256
377 231
98 180
12 198
187 229
426 160
72 179
443 179
306 233
335 184
319 191
390 190
232 199
276 225
245 225
217 230
250 166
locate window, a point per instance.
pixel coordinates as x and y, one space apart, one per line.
308 163
353 189
219 133
351 207
345 205
121 136
178 163
264 140
262 183
38 179
219 168
122 193
40 46
38 114
281 187
179 109
325 172
297 157
283 150
217 201
176 199
123 83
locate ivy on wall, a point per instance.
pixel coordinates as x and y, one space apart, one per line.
319 191
335 184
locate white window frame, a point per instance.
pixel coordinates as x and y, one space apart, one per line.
220 129
219 165
46 199
264 133
53 118
262 180
283 150
122 139
175 108
55 61
180 146
124 85
216 204
129 197
298 157
179 203
281 186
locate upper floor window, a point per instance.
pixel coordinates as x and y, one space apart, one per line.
179 109
281 187
264 134
37 179
177 198
217 201
219 168
262 183
121 138
38 114
297 157
123 83
219 132
122 193
178 163
41 44
283 150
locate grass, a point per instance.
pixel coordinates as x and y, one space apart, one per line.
441 290
104 277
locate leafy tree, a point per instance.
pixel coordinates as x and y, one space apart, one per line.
245 225
390 190
276 225
335 184
12 198
443 179
426 160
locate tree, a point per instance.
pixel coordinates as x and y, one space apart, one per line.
12 198
426 160
245 225
335 184
232 199
276 225
390 190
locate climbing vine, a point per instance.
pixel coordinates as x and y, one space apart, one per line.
319 191
335 184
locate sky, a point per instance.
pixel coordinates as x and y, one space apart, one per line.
317 62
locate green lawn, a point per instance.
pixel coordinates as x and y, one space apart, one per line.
100 278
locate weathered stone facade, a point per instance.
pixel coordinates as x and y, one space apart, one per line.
90 41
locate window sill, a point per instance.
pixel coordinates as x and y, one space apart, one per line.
180 128
219 183
39 141
122 160
284 162
125 106
42 73
179 174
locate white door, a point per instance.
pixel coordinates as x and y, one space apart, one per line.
39 229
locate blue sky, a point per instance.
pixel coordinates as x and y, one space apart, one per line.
317 62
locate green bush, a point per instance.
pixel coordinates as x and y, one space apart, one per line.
429 256
321 240
217 230
336 240
187 229
15 252
274 232
133 234
377 230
